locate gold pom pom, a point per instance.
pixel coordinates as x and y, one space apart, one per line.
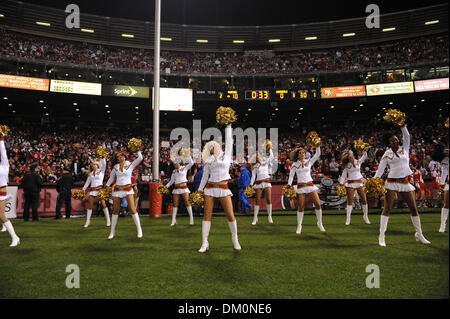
374 187
361 146
79 194
163 190
446 123
341 191
134 144
288 191
105 193
268 145
197 199
249 192
313 139
440 191
395 116
101 152
225 115
4 130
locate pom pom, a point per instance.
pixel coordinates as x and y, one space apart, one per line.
341 191
249 192
446 123
134 144
105 193
395 116
225 115
313 139
288 191
101 152
374 187
268 145
361 146
163 190
4 130
197 199
440 192
79 194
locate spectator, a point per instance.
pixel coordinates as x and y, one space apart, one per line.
32 185
64 189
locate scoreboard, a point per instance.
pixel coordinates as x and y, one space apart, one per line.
257 95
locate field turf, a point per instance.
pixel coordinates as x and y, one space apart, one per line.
274 261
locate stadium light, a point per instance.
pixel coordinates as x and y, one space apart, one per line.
125 35
87 30
1 15
349 34
431 22
75 103
166 39
238 41
332 107
311 38
274 40
9 104
5 98
202 41
45 24
388 29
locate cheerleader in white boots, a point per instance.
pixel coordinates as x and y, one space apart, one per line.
305 186
397 157
181 189
444 180
122 188
261 181
93 184
216 169
352 179
4 171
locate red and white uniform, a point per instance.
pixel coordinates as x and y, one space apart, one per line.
444 173
95 179
123 186
420 184
303 172
261 172
4 168
179 176
351 175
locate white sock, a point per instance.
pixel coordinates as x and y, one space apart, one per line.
269 212
319 219
106 212
174 215
114 220
10 229
299 221
88 217
349 213
234 236
444 215
137 221
255 214
206 226
191 216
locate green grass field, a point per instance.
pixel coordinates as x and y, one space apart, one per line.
274 261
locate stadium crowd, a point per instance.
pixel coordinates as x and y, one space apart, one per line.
417 51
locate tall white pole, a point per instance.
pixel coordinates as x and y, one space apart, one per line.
156 90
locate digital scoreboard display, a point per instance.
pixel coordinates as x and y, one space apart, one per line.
257 95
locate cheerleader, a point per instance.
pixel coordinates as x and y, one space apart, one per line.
261 179
444 180
122 188
397 157
4 171
93 184
352 179
216 169
305 186
178 178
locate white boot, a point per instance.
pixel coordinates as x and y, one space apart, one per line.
206 226
191 216
419 236
12 233
234 236
3 228
114 219
444 215
299 222
319 220
365 209
269 213
349 214
137 221
174 216
255 215
88 218
106 212
383 226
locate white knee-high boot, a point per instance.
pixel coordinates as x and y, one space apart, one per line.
191 216
255 215
365 209
349 214
319 220
206 226
106 212
234 236
174 216
15 239
137 221
269 213
114 220
444 215
299 222
419 236
383 226
88 217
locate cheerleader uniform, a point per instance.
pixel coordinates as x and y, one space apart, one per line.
4 171
305 186
215 170
444 180
179 177
351 177
261 180
94 183
123 188
398 181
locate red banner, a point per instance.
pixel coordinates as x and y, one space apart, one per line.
24 82
343 91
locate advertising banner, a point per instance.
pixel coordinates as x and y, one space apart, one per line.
389 88
431 85
126 91
343 91
23 82
88 88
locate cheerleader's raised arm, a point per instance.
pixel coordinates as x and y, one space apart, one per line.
136 162
406 139
228 144
315 157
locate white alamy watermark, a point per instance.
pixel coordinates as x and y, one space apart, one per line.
73 279
373 280
73 19
373 19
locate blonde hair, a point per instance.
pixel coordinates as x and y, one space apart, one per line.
207 150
